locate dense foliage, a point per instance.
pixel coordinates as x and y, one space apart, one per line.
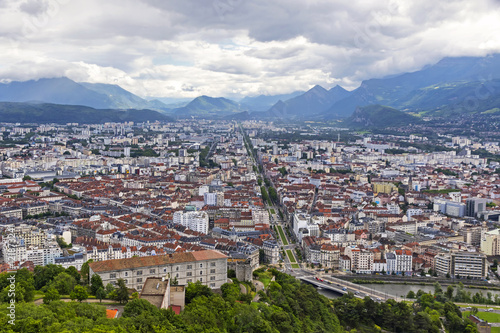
426 314
287 306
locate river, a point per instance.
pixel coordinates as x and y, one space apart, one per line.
402 290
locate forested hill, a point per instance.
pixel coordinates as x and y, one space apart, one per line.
287 306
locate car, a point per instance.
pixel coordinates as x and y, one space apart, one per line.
378 299
321 280
357 292
344 289
490 309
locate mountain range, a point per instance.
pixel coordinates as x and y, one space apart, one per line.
451 86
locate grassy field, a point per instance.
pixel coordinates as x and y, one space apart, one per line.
273 211
265 278
282 235
490 317
290 256
295 266
495 330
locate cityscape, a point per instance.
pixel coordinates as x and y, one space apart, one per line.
265 166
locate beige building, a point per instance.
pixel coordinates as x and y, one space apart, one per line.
490 243
464 264
208 266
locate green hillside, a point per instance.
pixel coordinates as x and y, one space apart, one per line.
378 116
61 114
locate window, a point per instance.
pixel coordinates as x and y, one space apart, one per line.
190 280
212 278
212 264
201 279
152 271
201 272
139 288
164 270
212 271
190 267
177 275
112 276
126 281
177 268
139 272
189 274
126 273
201 265
139 280
212 285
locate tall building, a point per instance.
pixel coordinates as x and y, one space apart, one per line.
474 206
197 221
490 243
464 264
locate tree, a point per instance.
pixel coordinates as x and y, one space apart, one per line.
74 273
411 294
85 271
122 291
100 294
230 291
95 284
51 295
109 288
135 295
449 293
64 283
473 311
80 293
196 289
138 307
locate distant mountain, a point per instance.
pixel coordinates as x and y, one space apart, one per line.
378 116
264 102
313 101
123 99
58 91
65 91
205 106
403 91
61 114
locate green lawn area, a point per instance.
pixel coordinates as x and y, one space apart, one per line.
273 211
282 235
290 256
495 330
265 278
490 317
295 266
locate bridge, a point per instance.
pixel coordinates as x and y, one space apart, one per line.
338 286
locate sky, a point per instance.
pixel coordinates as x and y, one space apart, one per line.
236 48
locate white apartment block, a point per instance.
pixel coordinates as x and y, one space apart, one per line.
197 221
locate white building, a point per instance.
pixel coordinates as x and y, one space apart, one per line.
197 221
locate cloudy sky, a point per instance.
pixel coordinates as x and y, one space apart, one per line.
231 48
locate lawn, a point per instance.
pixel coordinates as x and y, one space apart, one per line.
282 235
290 256
265 278
273 211
295 266
495 330
490 317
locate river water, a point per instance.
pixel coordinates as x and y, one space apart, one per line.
402 290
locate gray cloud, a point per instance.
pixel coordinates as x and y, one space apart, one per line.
180 48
